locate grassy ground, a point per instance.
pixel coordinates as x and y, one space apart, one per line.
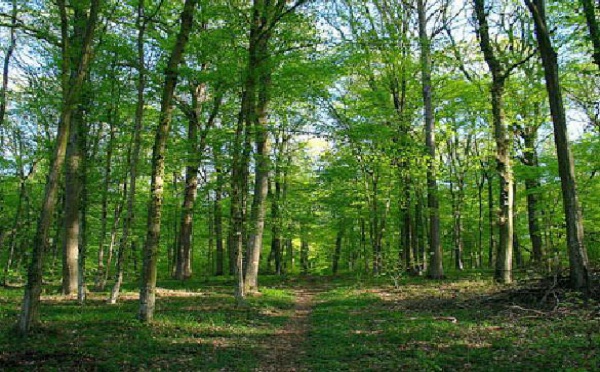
349 325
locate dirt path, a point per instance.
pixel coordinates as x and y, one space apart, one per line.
286 349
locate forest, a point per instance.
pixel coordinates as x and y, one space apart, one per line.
291 185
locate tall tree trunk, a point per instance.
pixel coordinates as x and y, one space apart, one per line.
480 185
503 269
150 250
407 229
304 252
74 159
436 266
265 16
532 185
421 228
218 216
578 259
134 154
183 264
81 277
100 274
491 220
276 237
516 244
259 79
22 209
239 175
197 142
589 10
111 244
289 255
73 78
277 223
457 191
6 65
337 253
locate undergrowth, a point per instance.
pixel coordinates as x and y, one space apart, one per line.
415 324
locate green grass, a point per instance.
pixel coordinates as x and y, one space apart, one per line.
413 329
194 329
366 325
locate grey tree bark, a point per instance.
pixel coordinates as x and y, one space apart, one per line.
578 258
436 265
589 10
150 250
133 156
73 77
503 268
6 65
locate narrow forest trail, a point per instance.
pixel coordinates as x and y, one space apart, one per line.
286 349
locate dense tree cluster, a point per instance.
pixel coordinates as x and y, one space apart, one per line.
145 138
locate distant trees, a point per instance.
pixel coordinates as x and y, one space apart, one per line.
78 37
340 136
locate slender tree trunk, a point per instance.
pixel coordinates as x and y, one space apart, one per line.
532 185
111 244
338 248
239 170
407 229
457 191
99 282
239 182
218 216
480 185
6 65
183 266
491 221
421 228
589 10
277 223
503 269
276 237
81 277
578 259
150 250
436 266
289 253
516 244
197 140
133 156
304 252
72 86
18 220
457 230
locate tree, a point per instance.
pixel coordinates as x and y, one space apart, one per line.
500 73
436 268
133 155
578 259
6 65
197 147
265 18
589 10
76 59
150 251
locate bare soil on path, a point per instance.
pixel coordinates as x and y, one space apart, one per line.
286 349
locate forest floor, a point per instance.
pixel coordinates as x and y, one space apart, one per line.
286 350
343 323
